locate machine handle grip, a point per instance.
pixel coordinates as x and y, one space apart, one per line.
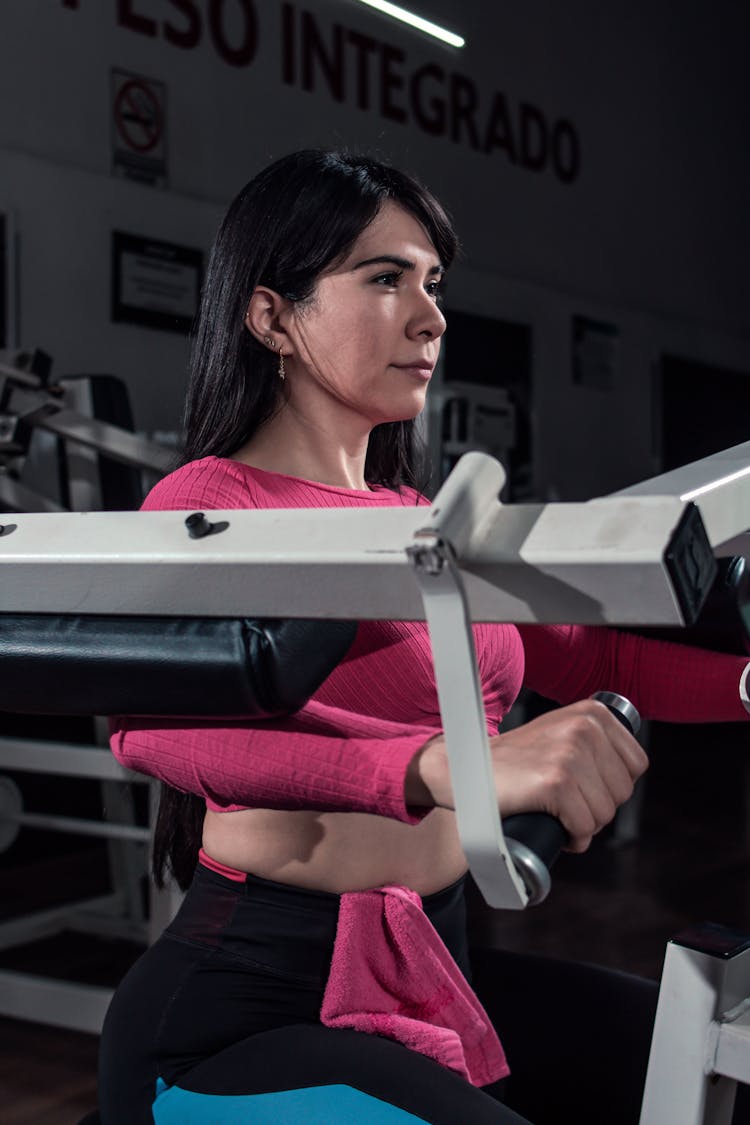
535 840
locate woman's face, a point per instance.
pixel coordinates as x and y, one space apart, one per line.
366 343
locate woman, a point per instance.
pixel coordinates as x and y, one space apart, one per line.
327 903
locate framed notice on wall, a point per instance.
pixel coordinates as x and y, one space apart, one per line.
155 283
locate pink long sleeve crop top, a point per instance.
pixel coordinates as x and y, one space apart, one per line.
348 749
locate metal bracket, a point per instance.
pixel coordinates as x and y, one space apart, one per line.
432 553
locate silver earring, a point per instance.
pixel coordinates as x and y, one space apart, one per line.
268 341
282 372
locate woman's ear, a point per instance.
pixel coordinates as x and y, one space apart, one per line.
263 318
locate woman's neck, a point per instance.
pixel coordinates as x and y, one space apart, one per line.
292 444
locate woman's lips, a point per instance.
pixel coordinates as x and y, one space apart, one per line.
420 369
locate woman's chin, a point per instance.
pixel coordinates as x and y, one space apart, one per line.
405 411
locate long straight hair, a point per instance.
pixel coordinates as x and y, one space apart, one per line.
297 218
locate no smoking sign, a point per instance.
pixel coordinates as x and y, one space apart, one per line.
139 149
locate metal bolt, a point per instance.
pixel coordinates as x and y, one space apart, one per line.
198 525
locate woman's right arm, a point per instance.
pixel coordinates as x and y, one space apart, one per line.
319 758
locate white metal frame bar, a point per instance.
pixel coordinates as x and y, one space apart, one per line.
596 563
701 1041
718 484
80 1007
75 1004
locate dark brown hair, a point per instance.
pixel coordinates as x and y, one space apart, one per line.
291 222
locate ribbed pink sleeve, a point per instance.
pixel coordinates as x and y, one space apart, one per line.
320 758
324 757
675 683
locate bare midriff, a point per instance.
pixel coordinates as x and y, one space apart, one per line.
338 852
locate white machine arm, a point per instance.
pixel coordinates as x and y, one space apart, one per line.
718 485
466 501
616 561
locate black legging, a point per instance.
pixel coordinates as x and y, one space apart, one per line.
218 1022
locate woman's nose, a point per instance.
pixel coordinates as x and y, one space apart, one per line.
427 319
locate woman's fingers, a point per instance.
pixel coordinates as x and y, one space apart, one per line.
577 763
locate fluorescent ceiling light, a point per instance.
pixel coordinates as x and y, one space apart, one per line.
415 21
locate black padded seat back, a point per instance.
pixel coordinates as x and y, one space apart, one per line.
93 665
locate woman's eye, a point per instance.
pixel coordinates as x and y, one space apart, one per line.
389 279
435 290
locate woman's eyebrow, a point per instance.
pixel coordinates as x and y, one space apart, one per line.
394 260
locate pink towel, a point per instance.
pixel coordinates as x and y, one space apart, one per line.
392 975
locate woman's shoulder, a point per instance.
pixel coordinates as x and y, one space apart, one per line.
210 482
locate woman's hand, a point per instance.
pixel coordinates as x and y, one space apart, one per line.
577 763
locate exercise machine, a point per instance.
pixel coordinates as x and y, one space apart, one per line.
67 442
642 559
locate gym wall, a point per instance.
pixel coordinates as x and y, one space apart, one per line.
592 156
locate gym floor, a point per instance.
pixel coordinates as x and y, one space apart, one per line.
679 854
